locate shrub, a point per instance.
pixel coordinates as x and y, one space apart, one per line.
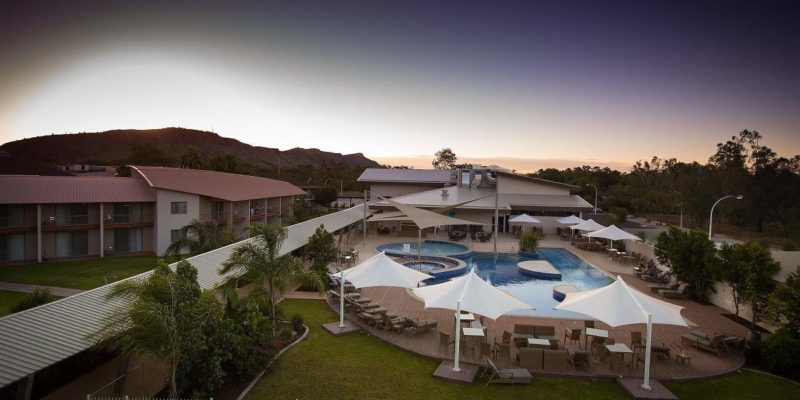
781 354
529 242
35 299
297 323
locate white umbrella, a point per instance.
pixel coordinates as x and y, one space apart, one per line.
469 293
613 233
589 225
380 270
619 304
524 219
571 220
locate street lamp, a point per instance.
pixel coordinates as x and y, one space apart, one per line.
595 196
711 216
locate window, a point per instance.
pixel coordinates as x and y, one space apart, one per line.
217 211
178 207
175 235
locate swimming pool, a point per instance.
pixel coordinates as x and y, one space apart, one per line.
429 248
425 266
501 271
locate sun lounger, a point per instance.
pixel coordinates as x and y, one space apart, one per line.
416 326
701 341
682 292
507 375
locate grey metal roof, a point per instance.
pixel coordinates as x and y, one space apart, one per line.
37 338
407 175
483 199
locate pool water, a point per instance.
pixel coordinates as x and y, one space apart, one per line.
501 271
429 248
424 266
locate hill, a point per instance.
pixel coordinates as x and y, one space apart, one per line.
163 147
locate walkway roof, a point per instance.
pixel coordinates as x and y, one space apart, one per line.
37 338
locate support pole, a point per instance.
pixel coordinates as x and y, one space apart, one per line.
457 346
419 244
341 302
364 240
496 220
646 383
102 230
39 233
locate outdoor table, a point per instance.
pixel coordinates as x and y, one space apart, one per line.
475 333
619 348
465 317
594 333
539 343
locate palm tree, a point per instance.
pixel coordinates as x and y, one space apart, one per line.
164 315
259 262
200 237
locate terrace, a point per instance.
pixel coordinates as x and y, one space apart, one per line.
701 364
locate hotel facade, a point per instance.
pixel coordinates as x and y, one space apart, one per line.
45 218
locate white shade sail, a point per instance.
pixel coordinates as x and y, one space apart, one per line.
426 219
475 294
380 270
613 233
589 226
524 219
619 304
571 220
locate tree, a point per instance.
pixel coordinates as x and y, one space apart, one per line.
692 259
321 248
191 159
444 159
759 280
258 262
163 316
325 196
733 273
200 237
529 242
785 303
36 298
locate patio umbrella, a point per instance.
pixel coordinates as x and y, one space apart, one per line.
380 270
571 220
524 219
588 226
613 233
468 293
619 304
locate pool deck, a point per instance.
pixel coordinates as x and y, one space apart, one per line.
703 317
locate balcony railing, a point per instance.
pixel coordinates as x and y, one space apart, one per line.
66 220
124 219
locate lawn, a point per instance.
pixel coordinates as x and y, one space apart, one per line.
8 300
79 274
362 367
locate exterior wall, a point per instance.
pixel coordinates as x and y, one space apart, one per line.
165 221
790 260
508 184
397 189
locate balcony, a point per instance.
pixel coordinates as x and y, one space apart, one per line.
216 217
16 223
126 221
68 222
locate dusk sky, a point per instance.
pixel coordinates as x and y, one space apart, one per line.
520 84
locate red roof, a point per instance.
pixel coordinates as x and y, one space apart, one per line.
220 185
30 189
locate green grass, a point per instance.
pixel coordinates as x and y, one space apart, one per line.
8 300
362 367
78 274
743 385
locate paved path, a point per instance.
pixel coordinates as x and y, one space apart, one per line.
26 288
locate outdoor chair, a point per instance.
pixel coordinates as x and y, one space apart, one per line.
580 358
503 351
573 335
485 350
555 360
507 375
636 341
530 358
588 324
618 361
444 340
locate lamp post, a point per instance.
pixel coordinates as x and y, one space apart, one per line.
595 196
711 216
